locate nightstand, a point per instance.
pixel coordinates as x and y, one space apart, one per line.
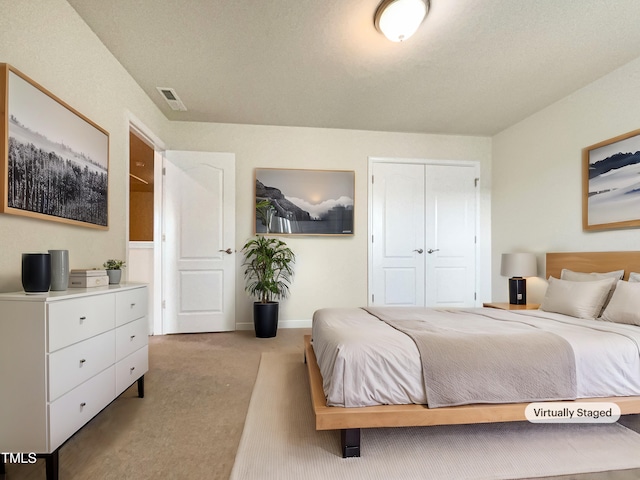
509 306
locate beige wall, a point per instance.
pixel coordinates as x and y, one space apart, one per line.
47 40
329 271
536 189
532 169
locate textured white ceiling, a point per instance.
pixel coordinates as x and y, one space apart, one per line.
474 67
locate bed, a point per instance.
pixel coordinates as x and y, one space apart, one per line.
407 405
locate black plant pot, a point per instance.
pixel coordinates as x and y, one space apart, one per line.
36 272
265 319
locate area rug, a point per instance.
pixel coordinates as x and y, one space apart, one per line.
279 442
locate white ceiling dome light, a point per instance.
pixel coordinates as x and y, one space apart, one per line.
399 19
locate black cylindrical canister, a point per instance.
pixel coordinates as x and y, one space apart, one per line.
36 272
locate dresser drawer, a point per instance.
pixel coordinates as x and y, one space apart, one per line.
71 411
71 366
130 305
131 337
131 369
74 320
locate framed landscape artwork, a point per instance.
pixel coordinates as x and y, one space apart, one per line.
55 161
304 202
611 183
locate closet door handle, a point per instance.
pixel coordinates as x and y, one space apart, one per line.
419 251
431 250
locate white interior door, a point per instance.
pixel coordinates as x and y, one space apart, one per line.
199 239
423 234
398 234
451 235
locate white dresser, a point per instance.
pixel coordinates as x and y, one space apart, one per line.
64 356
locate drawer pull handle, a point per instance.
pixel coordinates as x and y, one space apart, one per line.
132 369
82 319
133 305
83 404
132 337
82 361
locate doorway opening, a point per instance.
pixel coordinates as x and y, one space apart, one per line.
144 222
141 189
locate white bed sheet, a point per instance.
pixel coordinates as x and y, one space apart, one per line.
365 362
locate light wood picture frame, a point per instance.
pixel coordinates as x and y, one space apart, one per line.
611 183
55 161
304 202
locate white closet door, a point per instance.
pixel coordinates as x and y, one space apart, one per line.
450 235
423 234
398 234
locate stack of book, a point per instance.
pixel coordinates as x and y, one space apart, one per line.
88 278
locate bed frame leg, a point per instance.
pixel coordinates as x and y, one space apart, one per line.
350 442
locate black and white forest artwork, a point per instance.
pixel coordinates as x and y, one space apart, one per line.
57 160
304 202
612 179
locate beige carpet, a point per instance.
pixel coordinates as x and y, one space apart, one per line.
279 442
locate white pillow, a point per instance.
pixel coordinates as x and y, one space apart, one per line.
589 277
577 299
624 306
634 277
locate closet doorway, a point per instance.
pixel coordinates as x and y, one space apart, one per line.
141 189
423 230
144 218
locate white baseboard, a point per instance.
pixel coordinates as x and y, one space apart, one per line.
281 324
295 324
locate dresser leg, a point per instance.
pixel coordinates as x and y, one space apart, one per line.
141 387
51 463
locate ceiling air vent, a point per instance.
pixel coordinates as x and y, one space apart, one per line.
172 99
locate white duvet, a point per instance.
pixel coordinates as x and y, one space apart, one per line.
364 361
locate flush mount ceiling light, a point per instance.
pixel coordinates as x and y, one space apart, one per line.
399 19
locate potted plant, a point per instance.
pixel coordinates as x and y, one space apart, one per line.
268 273
114 270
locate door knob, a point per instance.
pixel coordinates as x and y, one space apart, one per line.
419 250
431 250
228 251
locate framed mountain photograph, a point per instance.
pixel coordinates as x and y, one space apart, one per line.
611 183
55 161
304 202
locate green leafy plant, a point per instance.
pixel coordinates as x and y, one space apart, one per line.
112 264
268 268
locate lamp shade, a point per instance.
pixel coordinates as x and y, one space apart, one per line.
399 19
518 265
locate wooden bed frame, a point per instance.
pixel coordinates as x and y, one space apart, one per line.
350 420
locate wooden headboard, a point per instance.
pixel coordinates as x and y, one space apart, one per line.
592 262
